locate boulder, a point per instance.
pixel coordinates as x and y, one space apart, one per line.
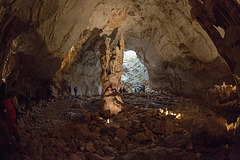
116 142
122 133
83 129
140 137
87 117
90 147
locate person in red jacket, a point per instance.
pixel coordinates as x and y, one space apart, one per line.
11 118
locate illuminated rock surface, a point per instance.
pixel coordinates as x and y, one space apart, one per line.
221 21
186 46
152 125
58 41
111 63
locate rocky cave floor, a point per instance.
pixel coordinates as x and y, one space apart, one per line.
152 126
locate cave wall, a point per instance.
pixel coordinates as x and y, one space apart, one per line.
213 15
43 32
177 52
81 67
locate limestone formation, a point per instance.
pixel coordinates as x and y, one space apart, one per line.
215 14
81 66
177 52
224 95
139 128
111 62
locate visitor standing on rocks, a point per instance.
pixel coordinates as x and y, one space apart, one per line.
69 88
140 88
11 119
75 91
120 90
143 88
124 90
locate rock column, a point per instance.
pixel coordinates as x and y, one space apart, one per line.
111 62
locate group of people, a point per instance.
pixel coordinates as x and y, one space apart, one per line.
122 90
9 135
140 89
70 90
136 90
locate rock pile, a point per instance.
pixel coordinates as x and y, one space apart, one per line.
145 129
222 95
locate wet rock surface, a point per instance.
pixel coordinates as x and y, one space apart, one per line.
153 125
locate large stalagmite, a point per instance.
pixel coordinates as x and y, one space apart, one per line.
111 62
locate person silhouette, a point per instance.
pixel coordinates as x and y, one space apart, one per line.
69 88
124 90
75 91
120 90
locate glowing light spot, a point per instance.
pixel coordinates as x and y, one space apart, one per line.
231 126
161 110
178 116
234 88
166 112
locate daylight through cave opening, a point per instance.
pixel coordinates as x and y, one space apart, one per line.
135 74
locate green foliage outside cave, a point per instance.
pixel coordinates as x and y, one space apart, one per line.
135 73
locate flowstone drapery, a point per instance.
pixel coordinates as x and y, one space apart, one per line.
111 62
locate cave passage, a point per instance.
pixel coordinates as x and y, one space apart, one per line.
185 53
135 74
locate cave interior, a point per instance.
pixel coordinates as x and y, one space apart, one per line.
63 62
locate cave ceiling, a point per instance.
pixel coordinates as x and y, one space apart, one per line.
57 42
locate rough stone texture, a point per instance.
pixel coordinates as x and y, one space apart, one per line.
54 23
224 95
111 63
81 66
199 133
177 52
213 15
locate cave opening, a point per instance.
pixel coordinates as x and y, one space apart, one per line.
135 74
